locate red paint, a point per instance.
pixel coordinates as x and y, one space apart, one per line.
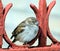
42 15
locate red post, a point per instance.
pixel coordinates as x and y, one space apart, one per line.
3 13
1 23
42 15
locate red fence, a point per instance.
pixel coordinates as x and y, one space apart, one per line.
52 48
42 15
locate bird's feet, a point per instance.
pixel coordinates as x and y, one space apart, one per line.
29 46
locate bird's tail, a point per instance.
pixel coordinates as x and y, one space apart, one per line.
12 42
11 37
8 46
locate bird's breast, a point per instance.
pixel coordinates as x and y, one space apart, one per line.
28 34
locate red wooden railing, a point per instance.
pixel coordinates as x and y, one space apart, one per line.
42 15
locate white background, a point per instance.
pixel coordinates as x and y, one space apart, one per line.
22 10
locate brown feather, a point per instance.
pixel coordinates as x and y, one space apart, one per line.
19 29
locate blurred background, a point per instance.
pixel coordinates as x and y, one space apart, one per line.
21 10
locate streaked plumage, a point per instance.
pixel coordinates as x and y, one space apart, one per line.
26 30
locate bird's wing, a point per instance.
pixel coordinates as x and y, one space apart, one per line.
20 28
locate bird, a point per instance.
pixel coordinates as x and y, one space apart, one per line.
25 31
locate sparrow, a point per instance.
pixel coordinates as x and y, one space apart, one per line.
26 30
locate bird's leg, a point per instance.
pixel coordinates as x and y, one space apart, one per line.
25 43
29 46
8 46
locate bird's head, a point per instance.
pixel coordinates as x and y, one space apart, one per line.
32 21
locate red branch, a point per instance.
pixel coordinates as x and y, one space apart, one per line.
3 13
42 15
6 9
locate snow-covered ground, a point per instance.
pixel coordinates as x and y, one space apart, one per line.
22 10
